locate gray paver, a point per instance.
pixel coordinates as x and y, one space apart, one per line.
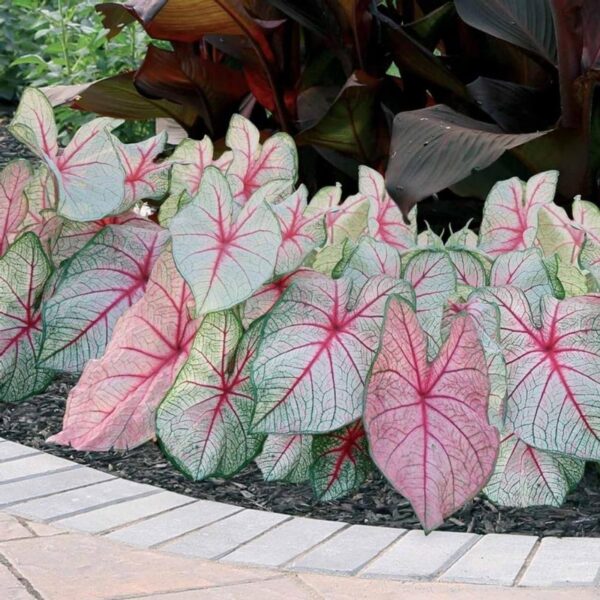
30 466
566 561
347 551
103 519
284 543
496 559
226 535
45 485
10 451
176 522
417 556
73 501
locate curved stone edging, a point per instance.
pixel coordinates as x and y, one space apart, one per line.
53 490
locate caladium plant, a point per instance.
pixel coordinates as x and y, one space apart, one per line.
321 337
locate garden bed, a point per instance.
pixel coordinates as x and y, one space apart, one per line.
375 503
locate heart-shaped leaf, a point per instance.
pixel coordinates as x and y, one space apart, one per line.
14 179
286 458
223 259
189 160
203 423
427 422
341 462
525 476
24 269
510 213
114 403
315 351
552 371
95 288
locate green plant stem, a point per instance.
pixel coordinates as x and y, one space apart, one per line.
64 41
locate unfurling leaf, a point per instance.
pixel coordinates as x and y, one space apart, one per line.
426 422
286 458
114 403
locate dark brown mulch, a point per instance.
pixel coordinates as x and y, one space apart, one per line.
375 503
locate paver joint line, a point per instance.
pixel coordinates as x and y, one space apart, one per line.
20 578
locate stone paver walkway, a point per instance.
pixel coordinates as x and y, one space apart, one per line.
68 532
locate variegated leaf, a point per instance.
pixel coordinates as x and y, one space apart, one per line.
14 179
286 458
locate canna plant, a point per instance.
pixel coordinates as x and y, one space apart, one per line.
206 301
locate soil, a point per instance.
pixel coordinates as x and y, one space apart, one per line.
374 503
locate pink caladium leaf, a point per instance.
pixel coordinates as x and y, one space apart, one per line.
341 462
41 200
427 422
286 458
510 213
301 233
553 371
525 476
386 222
88 174
95 288
13 202
203 423
315 351
24 269
114 403
253 165
189 160
224 259
146 178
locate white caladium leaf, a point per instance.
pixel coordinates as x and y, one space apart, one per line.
89 177
315 351
114 403
340 462
300 233
528 271
587 216
325 200
525 476
348 220
286 458
553 371
24 269
223 259
189 160
41 200
464 238
253 165
386 222
557 234
433 277
14 179
573 280
95 288
427 422
145 177
203 423
510 213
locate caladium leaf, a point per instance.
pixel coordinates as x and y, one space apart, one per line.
14 179
557 234
254 165
426 422
510 213
315 351
95 288
525 476
224 260
286 458
341 462
114 403
348 220
203 423
41 201
552 371
189 160
88 173
300 233
24 269
325 199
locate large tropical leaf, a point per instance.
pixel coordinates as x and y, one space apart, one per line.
14 179
286 458
88 173
94 289
525 476
224 259
24 269
436 147
553 371
315 351
114 403
203 423
427 422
